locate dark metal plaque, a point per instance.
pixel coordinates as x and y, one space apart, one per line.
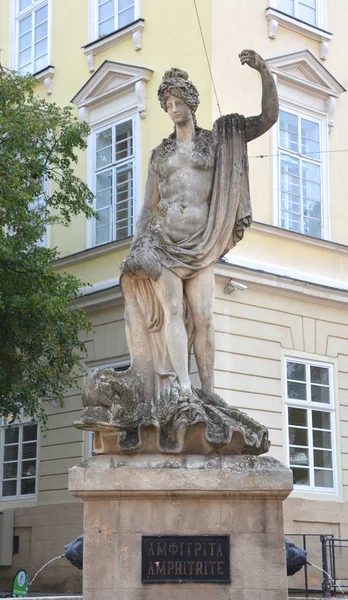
182 558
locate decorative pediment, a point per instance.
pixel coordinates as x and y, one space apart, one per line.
112 80
304 69
302 72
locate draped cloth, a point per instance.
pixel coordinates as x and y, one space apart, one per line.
229 215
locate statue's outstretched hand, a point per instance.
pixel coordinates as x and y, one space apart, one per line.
251 58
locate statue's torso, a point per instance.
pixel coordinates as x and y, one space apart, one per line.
185 177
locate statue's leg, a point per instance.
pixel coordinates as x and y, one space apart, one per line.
199 292
137 336
169 291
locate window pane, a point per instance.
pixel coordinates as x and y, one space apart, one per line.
323 458
10 470
24 4
103 227
307 14
40 48
311 171
298 437
312 209
106 27
290 175
312 228
296 371
320 375
11 435
321 420
301 476
297 416
124 4
104 148
104 190
286 6
25 41
10 453
125 17
28 468
29 450
320 394
323 478
41 31
290 202
291 221
297 391
24 60
29 433
41 15
27 486
322 439
310 138
288 128
299 456
25 25
40 63
124 140
9 488
124 201
106 10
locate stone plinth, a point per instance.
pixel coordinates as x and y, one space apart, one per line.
130 496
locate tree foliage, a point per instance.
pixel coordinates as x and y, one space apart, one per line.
39 334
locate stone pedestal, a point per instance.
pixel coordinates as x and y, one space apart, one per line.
126 497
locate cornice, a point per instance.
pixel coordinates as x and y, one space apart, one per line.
281 284
92 253
299 238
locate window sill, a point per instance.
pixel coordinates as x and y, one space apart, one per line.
45 76
276 17
134 30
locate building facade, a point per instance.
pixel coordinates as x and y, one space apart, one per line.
281 295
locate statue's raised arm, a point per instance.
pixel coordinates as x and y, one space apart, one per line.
258 125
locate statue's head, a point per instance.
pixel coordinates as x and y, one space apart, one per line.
175 82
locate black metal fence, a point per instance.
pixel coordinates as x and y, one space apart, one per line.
327 575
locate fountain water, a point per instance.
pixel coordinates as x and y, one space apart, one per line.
45 565
326 573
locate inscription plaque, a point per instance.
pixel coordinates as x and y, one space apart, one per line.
180 558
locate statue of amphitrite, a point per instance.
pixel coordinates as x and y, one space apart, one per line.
196 207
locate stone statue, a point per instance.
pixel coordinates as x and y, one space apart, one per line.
196 208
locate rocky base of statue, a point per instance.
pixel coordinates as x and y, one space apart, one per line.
116 408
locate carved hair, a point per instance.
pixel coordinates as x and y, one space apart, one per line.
176 82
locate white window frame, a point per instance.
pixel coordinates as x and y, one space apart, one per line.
321 120
308 404
116 17
94 23
276 16
119 365
15 17
23 420
91 232
319 9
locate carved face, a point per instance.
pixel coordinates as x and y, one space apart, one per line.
178 111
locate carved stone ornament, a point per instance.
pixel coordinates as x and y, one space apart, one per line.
115 403
196 208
